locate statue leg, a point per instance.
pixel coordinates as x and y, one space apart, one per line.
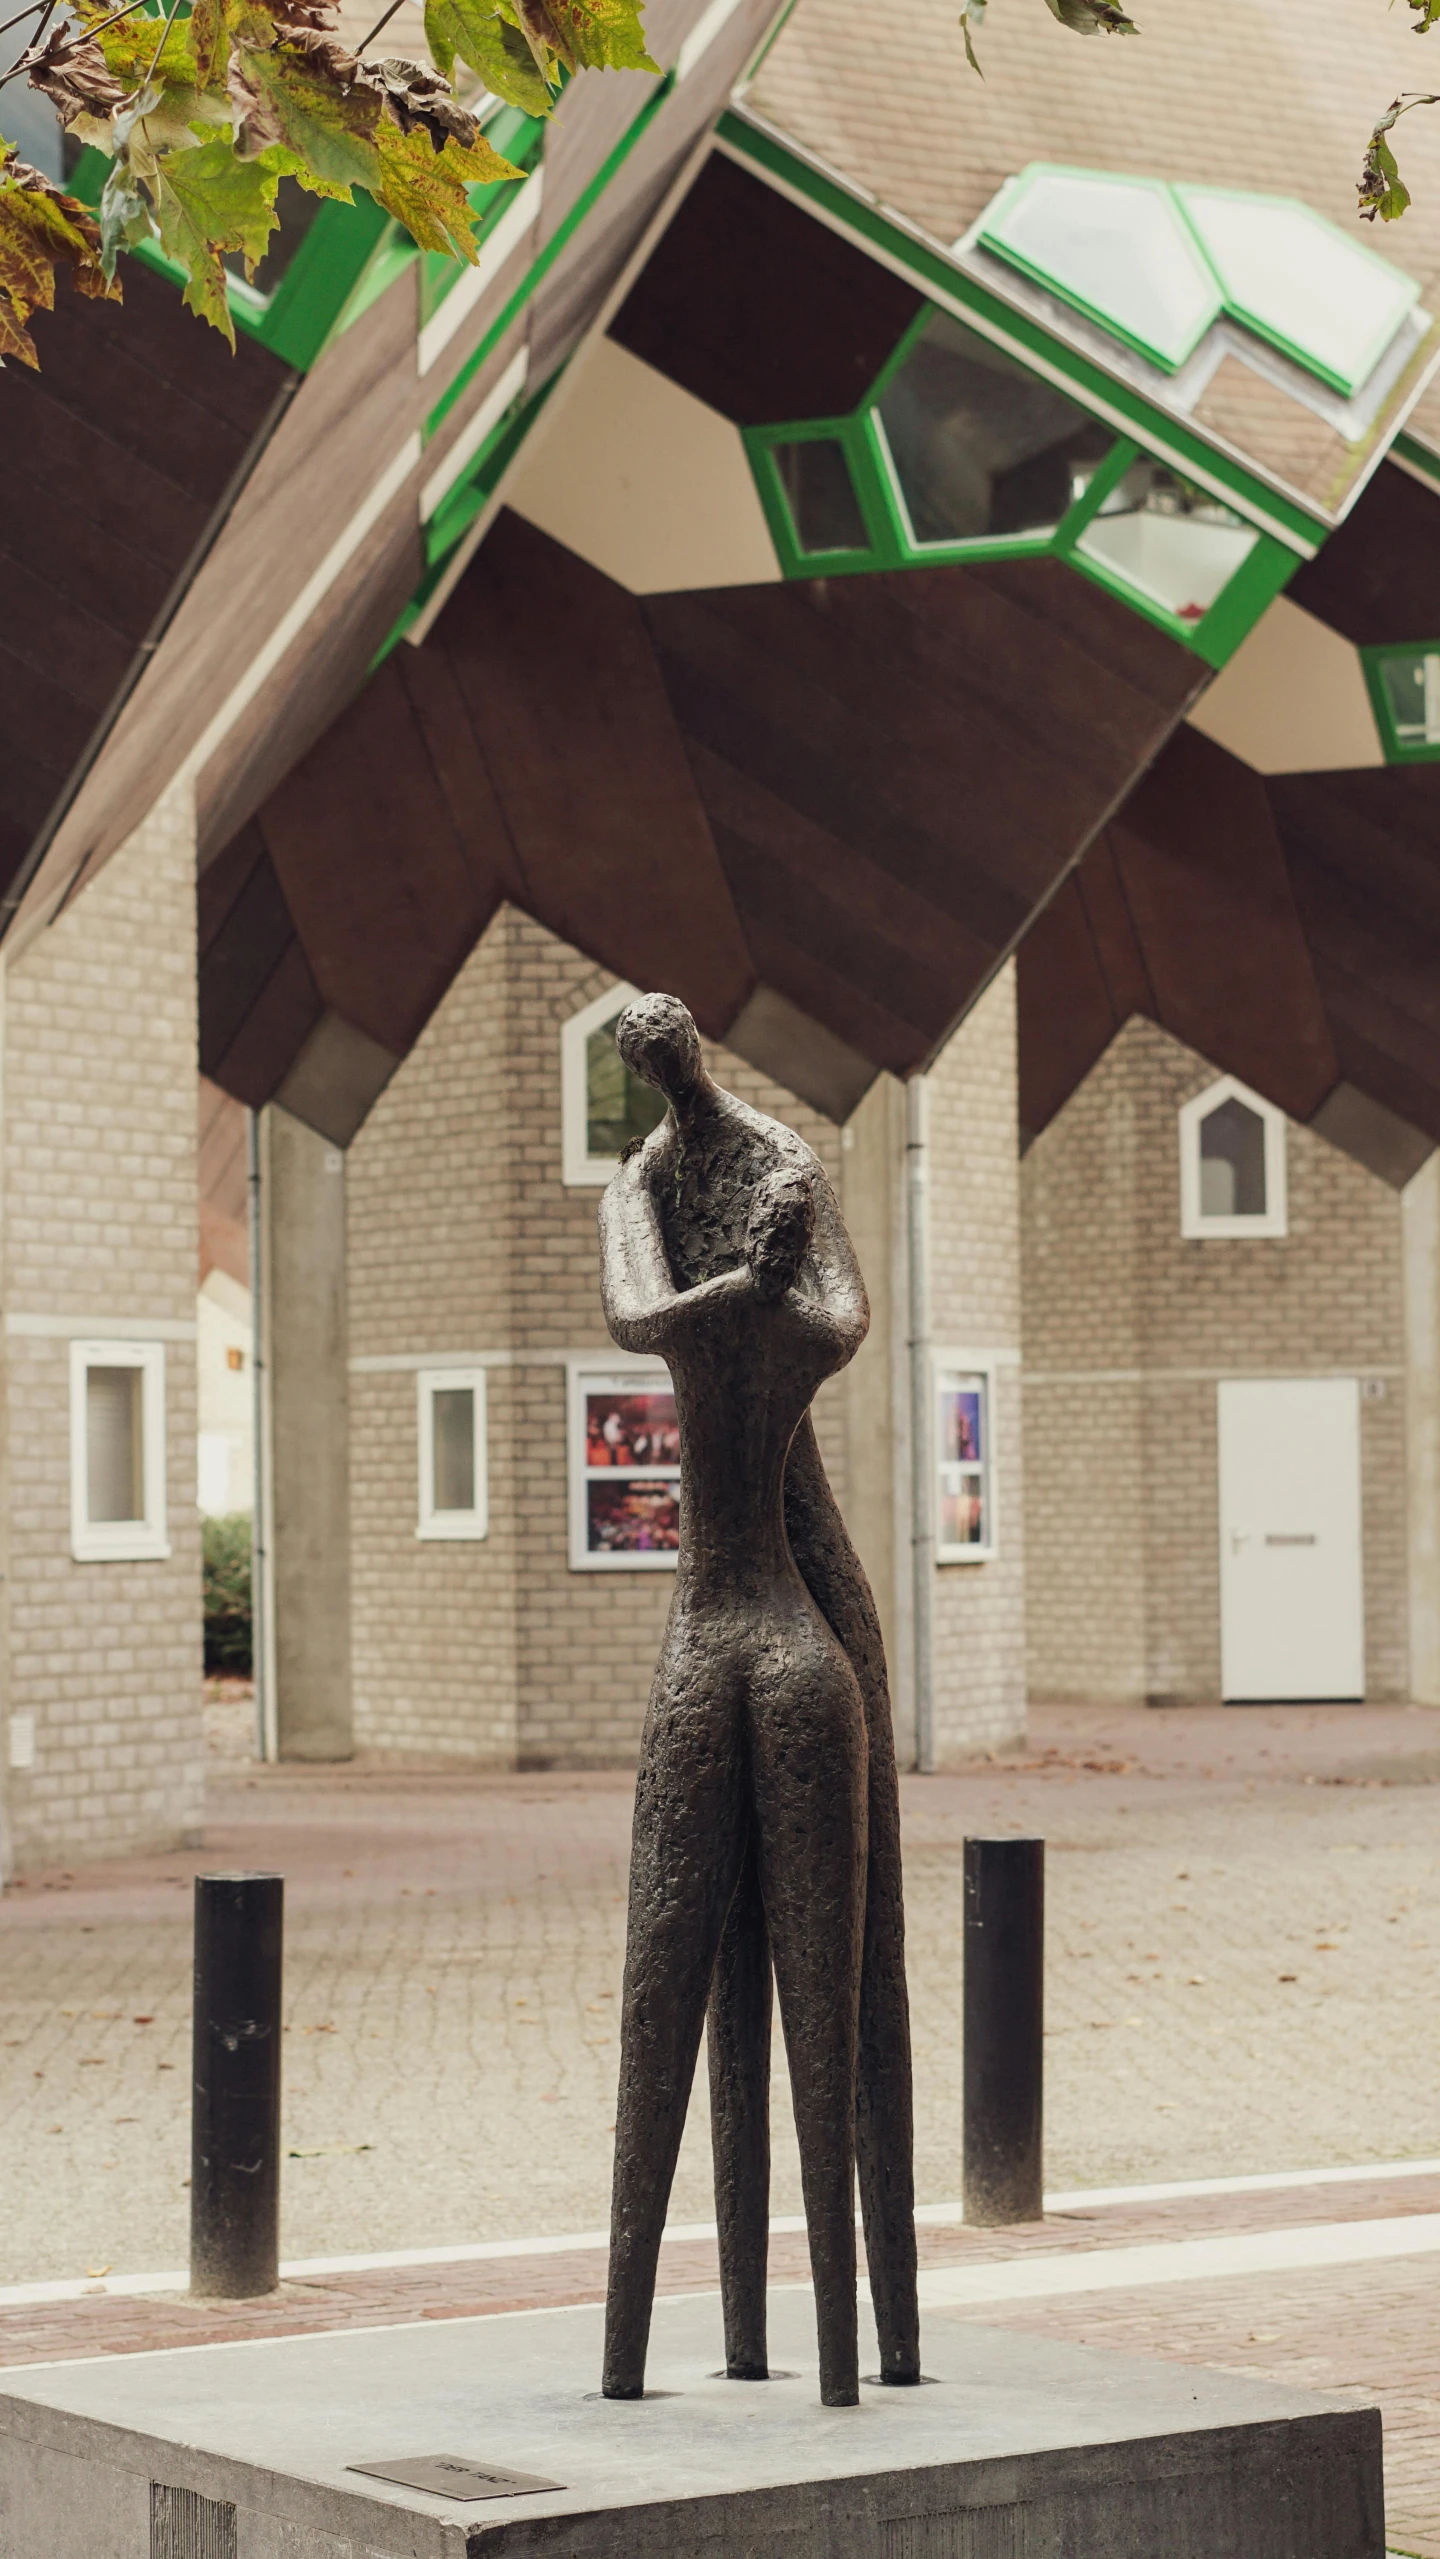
739 2042
884 2107
809 1780
884 2114
687 1845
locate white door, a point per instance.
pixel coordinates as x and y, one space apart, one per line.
1292 1609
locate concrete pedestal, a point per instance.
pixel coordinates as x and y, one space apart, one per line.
1019 2449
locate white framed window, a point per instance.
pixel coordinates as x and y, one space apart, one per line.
624 1465
454 1471
964 1459
602 1105
1232 1163
117 1452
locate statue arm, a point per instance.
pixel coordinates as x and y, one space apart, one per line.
840 1302
643 1308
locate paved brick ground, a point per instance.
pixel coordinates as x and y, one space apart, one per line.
1244 1911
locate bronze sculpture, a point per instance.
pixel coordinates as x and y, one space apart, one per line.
767 1818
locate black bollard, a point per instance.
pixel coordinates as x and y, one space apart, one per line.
1004 2028
235 2119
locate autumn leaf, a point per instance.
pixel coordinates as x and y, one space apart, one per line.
208 203
972 18
426 189
421 101
1381 188
1425 13
209 39
598 35
303 98
41 226
1092 17
473 31
72 72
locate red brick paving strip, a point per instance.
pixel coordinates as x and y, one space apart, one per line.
1370 2330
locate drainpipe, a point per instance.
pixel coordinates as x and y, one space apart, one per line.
922 1501
261 1644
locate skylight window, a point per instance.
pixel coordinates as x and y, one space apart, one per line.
1119 249
1155 265
1290 276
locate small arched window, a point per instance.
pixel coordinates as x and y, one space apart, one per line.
603 1106
1232 1163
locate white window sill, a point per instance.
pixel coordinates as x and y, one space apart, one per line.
143 1548
453 1528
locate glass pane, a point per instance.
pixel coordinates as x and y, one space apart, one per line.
452 1438
618 1107
297 210
1232 1161
1412 692
821 495
1119 248
1296 279
1168 540
979 445
962 1507
114 1443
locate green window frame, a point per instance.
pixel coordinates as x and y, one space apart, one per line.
890 544
1386 667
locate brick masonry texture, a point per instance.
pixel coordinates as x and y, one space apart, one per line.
1121 1453
99 1145
463 1237
979 1609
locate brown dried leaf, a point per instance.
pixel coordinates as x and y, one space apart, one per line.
72 72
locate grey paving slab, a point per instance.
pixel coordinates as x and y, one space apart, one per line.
1244 1925
1019 2449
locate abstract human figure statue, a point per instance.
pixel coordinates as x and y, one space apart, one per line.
766 1811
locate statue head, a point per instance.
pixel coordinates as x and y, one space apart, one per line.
658 1041
781 1223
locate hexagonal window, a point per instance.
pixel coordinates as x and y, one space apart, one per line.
979 446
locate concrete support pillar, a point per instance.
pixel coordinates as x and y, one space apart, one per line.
304 1346
1420 1228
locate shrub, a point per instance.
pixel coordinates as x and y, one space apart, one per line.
228 1621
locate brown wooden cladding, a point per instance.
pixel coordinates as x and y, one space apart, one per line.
117 459
114 460
841 791
1286 928
1378 576
758 309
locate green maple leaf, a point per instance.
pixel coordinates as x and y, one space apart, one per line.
207 203
473 31
600 35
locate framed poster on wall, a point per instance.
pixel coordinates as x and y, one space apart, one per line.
964 1466
624 1464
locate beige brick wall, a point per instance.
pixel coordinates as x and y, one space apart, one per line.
1128 1326
463 1238
99 1236
978 1635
